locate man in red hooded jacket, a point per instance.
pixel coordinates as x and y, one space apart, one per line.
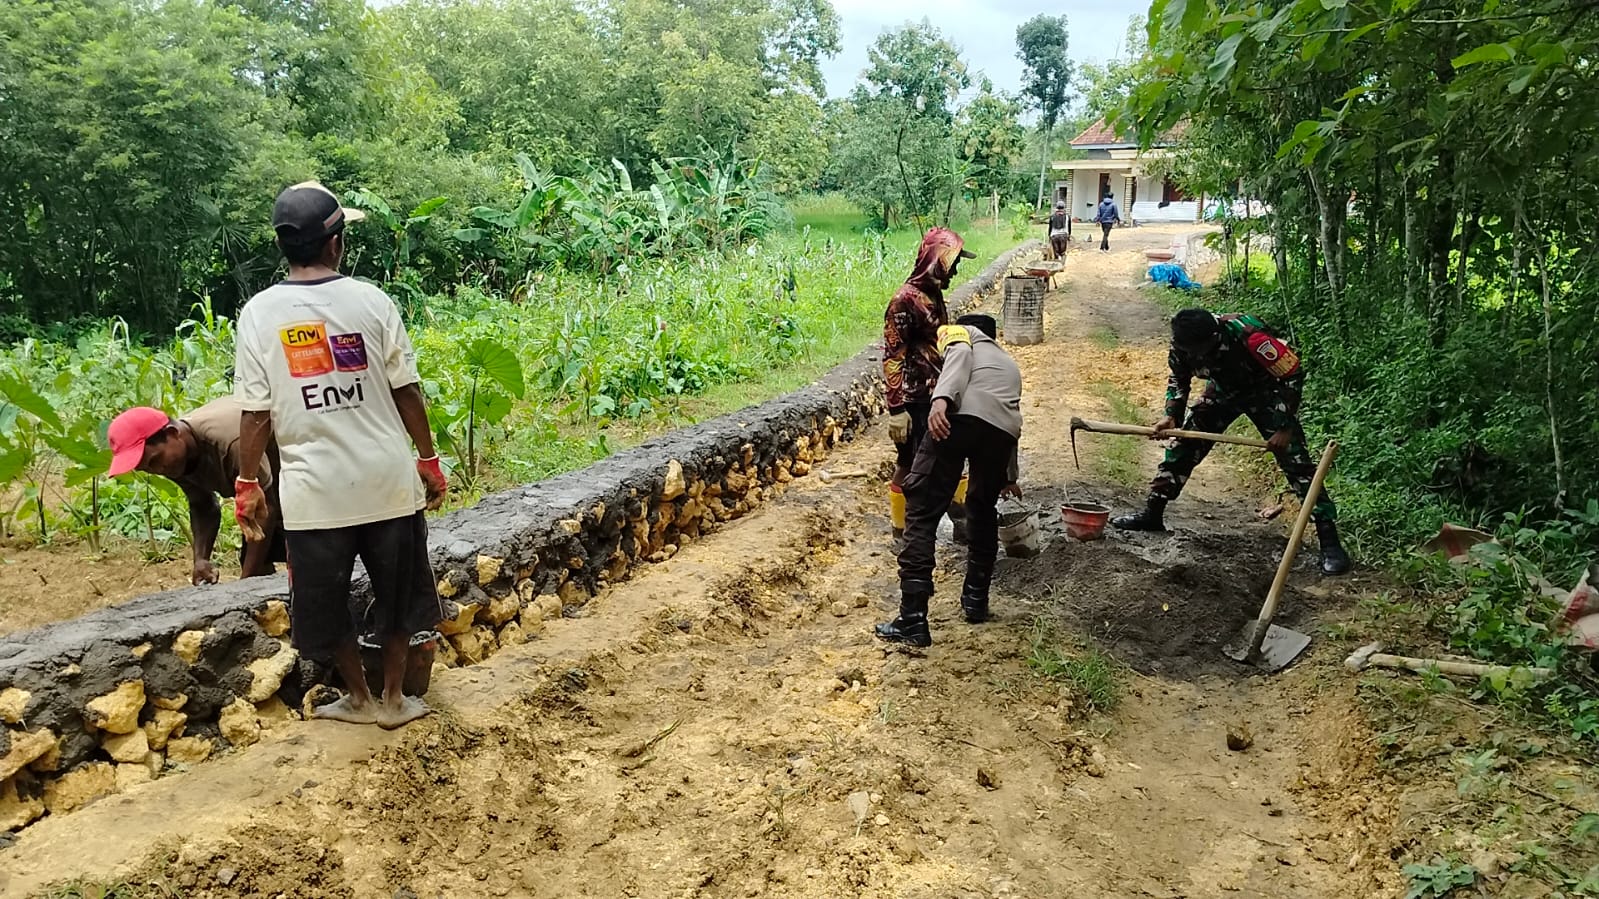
911 360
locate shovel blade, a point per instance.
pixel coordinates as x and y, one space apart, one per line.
1277 651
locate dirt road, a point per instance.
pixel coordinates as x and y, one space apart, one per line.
724 725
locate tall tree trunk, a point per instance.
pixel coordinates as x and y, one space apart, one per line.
1333 206
1549 374
1440 234
1043 166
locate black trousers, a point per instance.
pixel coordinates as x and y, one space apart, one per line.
930 486
1104 242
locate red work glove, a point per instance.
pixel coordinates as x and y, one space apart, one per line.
249 509
432 481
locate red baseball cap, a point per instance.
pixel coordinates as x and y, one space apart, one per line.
127 435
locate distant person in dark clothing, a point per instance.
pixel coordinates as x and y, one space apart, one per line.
1060 230
1108 215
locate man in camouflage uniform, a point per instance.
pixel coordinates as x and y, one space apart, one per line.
911 360
1248 371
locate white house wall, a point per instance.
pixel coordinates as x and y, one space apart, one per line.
1152 211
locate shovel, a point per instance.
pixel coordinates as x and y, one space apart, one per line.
1261 643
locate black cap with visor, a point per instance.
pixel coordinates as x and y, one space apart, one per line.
309 213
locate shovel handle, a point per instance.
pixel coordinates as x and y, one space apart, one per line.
1113 427
1275 594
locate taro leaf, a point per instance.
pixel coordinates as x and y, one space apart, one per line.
497 363
21 394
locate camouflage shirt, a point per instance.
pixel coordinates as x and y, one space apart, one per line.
1248 365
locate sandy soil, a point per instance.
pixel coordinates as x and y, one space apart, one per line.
41 585
724 724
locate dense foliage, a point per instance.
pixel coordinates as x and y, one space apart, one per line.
1425 170
144 141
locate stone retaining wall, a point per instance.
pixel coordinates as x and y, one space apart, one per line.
120 696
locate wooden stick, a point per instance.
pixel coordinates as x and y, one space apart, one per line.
1445 666
1275 595
1113 427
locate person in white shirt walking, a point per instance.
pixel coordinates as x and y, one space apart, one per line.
325 366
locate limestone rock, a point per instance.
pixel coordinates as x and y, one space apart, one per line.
117 712
274 618
238 724
163 726
488 568
266 675
170 703
674 486
25 748
189 750
511 635
130 776
79 787
49 762
502 609
548 607
446 655
140 651
134 747
273 711
474 646
15 811
461 621
526 591
801 468
573 594
531 626
447 588
571 527
186 645
13 700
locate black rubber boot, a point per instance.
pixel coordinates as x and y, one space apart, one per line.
1152 518
1334 560
911 625
974 595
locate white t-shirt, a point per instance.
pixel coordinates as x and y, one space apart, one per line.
322 357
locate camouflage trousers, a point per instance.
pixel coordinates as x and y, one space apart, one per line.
1214 414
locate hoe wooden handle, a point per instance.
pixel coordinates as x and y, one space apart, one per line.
1275 595
1113 427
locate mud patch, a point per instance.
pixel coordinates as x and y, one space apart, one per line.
1166 614
255 861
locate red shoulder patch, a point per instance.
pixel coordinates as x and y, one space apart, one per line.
1273 355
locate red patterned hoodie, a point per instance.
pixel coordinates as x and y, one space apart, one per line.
910 326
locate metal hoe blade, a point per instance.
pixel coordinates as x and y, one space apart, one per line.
1279 649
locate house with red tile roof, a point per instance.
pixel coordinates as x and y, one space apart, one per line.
1112 163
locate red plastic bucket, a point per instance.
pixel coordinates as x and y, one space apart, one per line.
1085 521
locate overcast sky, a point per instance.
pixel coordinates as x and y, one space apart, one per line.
985 31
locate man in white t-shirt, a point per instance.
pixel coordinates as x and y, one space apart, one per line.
325 366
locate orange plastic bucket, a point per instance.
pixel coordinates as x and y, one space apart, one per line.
1085 521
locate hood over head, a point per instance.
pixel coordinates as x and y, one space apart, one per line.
941 249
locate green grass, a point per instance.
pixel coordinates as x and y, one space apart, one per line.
1096 680
1120 458
1104 337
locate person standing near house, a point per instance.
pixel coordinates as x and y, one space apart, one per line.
324 364
1059 230
911 361
1108 215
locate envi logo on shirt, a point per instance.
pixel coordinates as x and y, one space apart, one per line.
305 347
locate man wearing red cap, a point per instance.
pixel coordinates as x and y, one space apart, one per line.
324 364
200 453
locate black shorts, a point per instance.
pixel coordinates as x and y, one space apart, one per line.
405 597
905 453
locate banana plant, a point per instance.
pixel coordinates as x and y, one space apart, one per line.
493 375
